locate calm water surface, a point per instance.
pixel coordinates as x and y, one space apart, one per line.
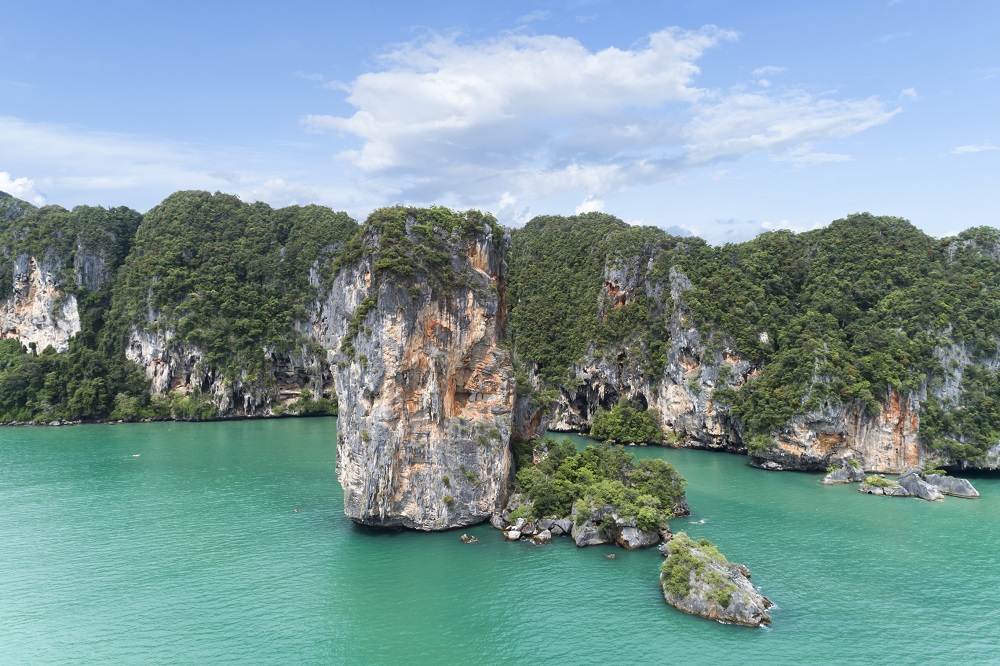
180 543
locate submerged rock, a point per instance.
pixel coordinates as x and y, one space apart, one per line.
697 579
949 485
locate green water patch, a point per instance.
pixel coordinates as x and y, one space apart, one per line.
192 552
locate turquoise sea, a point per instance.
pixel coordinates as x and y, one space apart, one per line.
176 543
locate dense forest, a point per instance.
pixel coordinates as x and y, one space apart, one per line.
839 315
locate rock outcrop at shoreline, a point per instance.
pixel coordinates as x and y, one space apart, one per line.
697 579
913 482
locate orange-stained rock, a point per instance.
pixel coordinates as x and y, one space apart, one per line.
426 393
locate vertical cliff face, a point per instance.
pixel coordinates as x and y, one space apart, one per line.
38 311
50 257
883 441
426 392
683 395
216 294
174 366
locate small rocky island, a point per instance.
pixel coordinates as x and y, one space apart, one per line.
599 495
927 484
697 579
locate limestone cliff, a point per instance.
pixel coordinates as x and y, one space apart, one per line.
683 395
220 299
426 392
51 257
648 345
39 312
175 366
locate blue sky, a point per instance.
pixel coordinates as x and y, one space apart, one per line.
716 117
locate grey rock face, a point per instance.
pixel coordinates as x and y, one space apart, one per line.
594 529
847 473
911 481
949 485
173 365
545 536
588 535
717 590
893 490
632 538
426 391
38 311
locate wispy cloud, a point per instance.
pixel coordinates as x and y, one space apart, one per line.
769 70
974 148
78 165
892 36
542 114
531 17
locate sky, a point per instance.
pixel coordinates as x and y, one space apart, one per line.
720 118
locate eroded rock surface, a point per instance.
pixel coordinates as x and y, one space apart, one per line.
39 311
950 485
697 579
426 392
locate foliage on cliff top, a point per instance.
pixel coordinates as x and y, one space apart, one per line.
406 241
66 240
557 298
12 208
85 245
837 315
228 276
601 475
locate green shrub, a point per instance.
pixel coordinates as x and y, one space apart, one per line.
880 482
626 423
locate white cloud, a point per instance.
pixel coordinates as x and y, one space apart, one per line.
22 188
535 115
768 70
974 148
507 211
909 93
746 123
277 192
76 165
893 36
590 205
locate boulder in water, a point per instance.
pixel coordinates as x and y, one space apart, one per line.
911 481
949 485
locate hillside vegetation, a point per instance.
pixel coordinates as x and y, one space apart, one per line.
840 315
